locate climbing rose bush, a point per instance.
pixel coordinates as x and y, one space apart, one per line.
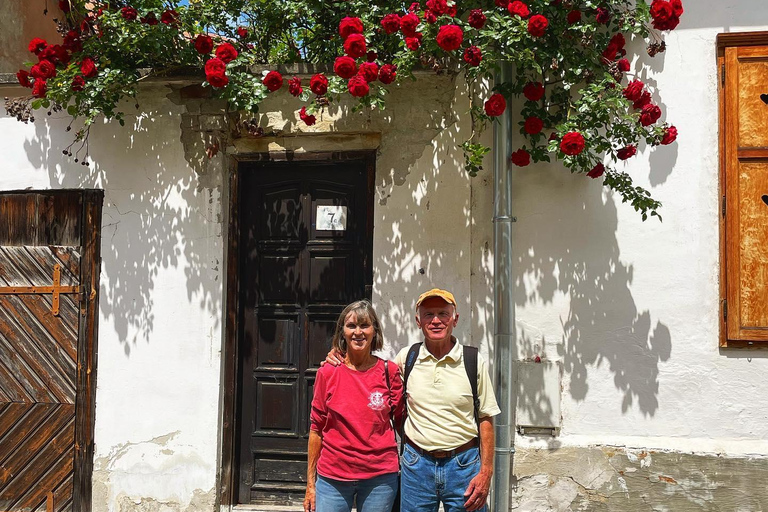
573 86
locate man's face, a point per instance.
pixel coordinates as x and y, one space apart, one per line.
436 318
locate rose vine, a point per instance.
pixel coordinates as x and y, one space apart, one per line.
581 102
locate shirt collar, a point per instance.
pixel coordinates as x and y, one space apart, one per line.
454 354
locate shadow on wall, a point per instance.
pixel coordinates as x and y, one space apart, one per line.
154 216
574 254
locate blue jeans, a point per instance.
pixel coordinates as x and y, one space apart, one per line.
427 481
372 495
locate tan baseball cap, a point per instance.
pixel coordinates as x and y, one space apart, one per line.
437 292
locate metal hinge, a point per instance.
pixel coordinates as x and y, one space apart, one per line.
722 74
725 309
723 206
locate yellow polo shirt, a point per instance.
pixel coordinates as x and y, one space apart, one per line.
439 398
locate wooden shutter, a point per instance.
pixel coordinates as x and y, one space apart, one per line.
48 282
744 160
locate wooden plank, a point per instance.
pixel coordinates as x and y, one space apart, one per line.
62 496
731 189
40 353
30 417
9 417
230 353
59 437
87 350
17 222
59 219
56 474
62 329
736 39
24 382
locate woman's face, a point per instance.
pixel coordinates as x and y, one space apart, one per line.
358 333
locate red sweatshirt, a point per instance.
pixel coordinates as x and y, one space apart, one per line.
350 410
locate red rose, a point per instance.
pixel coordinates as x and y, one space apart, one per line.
537 25
371 56
633 90
64 6
40 88
294 86
226 52
387 73
413 43
129 13
609 53
596 171
354 45
408 24
650 114
203 44
348 26
309 120
602 15
390 23
574 16
429 17
150 19
663 15
439 7
37 45
626 152
520 158
369 71
242 32
533 125
572 143
473 56
452 10
476 19
495 105
644 100
78 83
72 41
449 37
23 77
533 91
501 3
618 41
88 68
623 65
345 67
318 84
273 81
357 86
677 7
415 6
44 69
54 53
215 72
670 135
170 17
518 8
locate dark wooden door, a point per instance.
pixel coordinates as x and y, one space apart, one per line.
49 267
305 253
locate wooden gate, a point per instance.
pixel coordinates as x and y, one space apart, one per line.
49 269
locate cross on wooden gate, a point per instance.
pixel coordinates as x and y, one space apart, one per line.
54 290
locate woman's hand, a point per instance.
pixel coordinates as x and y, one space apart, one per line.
309 498
334 358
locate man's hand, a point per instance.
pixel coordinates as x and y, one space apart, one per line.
477 491
309 499
334 358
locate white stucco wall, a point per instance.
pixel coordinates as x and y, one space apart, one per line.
631 308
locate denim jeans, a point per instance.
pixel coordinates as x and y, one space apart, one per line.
371 495
427 481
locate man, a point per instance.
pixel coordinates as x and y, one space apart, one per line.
443 461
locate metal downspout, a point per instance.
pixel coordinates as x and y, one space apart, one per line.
504 309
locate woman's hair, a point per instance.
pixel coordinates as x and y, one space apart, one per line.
363 310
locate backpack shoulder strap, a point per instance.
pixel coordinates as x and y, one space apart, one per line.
470 365
410 360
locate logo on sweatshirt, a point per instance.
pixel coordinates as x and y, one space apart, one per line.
376 401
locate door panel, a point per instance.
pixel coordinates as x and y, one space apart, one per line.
304 255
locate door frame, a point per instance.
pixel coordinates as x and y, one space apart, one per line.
230 388
89 236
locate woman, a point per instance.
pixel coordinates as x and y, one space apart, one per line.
352 448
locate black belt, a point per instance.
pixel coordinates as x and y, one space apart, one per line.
442 454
